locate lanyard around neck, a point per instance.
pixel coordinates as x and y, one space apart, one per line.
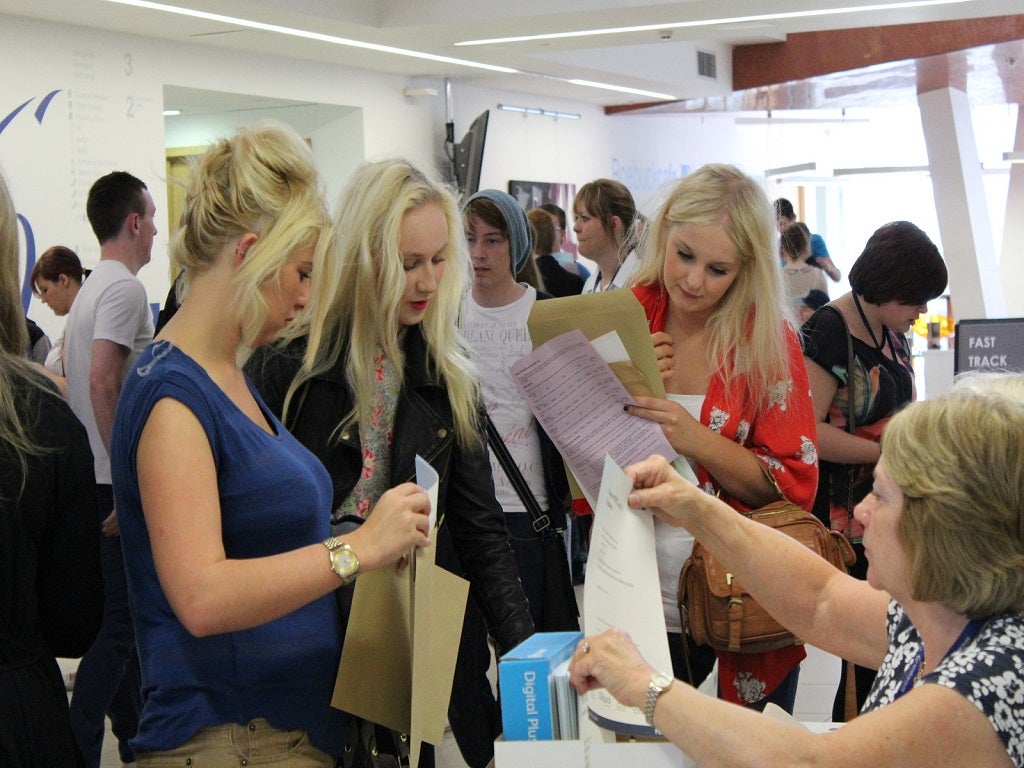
913 674
880 346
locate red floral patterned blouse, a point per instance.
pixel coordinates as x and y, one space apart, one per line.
784 437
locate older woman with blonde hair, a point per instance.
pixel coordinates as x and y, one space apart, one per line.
941 615
739 411
225 517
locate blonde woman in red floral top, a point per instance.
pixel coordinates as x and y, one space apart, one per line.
739 409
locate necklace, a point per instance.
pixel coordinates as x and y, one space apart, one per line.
864 319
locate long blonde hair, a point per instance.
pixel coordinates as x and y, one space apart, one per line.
746 330
15 368
357 292
263 180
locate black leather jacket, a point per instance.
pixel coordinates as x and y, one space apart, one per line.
423 425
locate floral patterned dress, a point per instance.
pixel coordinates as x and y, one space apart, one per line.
882 386
988 671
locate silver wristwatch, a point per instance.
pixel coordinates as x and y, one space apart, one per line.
343 560
658 685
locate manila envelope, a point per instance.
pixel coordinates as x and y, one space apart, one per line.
439 605
375 675
597 314
402 642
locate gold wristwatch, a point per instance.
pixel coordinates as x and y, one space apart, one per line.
658 685
343 560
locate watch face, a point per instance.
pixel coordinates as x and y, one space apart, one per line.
345 562
662 681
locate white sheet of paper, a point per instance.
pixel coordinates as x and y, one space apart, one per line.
427 479
622 590
578 400
610 348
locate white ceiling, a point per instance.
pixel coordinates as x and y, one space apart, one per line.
660 59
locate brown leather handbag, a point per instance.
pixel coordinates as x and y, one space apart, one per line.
715 608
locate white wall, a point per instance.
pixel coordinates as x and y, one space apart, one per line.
335 134
642 151
107 115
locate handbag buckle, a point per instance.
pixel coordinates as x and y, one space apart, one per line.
542 523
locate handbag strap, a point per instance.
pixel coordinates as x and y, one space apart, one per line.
851 402
541 522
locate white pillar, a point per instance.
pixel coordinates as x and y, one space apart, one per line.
967 244
1011 259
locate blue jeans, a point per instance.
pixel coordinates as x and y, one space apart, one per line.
108 681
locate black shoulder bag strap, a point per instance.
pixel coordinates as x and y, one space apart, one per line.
541 522
851 417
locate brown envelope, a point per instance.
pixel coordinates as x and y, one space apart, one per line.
375 675
597 314
400 649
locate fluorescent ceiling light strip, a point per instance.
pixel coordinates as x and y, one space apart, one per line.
881 169
712 22
308 35
623 89
788 169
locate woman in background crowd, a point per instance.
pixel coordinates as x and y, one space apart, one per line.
738 409
798 276
558 281
224 516
51 585
605 214
570 263
56 279
898 273
785 218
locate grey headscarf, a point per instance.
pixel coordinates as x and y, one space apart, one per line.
520 234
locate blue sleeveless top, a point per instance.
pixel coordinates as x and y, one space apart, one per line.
275 496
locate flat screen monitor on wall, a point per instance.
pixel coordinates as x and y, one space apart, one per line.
469 155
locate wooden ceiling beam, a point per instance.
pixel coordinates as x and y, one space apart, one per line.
812 54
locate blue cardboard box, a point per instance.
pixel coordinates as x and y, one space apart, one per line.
528 708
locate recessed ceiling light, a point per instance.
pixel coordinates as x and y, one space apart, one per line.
624 89
714 22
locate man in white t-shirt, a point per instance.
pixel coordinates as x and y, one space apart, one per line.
109 324
493 321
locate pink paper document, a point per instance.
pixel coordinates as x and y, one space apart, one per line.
578 400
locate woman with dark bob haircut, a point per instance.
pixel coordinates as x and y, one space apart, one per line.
899 271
